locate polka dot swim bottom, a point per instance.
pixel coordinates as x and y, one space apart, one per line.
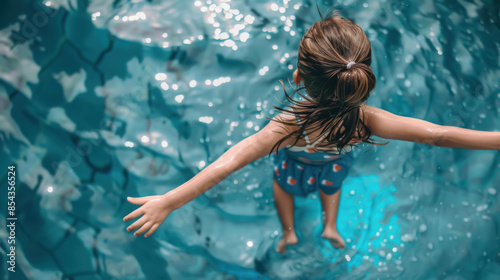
301 179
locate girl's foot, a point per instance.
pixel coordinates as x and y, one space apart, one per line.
286 239
334 237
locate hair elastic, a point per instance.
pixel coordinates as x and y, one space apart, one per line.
350 64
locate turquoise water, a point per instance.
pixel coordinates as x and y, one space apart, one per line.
100 100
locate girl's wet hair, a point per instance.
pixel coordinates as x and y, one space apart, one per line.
334 93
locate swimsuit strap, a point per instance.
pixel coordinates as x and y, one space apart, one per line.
305 133
307 137
319 139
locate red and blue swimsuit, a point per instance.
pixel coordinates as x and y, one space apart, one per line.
302 170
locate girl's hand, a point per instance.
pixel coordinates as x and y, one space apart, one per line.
154 210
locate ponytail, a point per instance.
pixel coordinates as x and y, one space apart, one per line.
334 64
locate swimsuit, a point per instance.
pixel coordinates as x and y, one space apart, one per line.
300 170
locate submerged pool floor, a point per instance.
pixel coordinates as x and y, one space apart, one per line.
100 100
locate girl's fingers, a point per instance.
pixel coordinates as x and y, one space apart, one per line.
137 200
137 223
152 230
143 229
141 200
134 214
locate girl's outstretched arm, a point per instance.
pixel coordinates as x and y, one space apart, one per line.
156 208
387 125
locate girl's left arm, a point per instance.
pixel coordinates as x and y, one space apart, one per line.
387 125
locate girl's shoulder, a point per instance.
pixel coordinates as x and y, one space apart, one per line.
286 122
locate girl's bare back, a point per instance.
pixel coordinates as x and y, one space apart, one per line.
316 135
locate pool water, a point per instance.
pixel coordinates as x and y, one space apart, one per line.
100 100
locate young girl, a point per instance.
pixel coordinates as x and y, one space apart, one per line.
311 141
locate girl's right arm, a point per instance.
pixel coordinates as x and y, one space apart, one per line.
156 208
387 125
238 156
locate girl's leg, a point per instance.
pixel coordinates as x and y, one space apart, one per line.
284 205
330 204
